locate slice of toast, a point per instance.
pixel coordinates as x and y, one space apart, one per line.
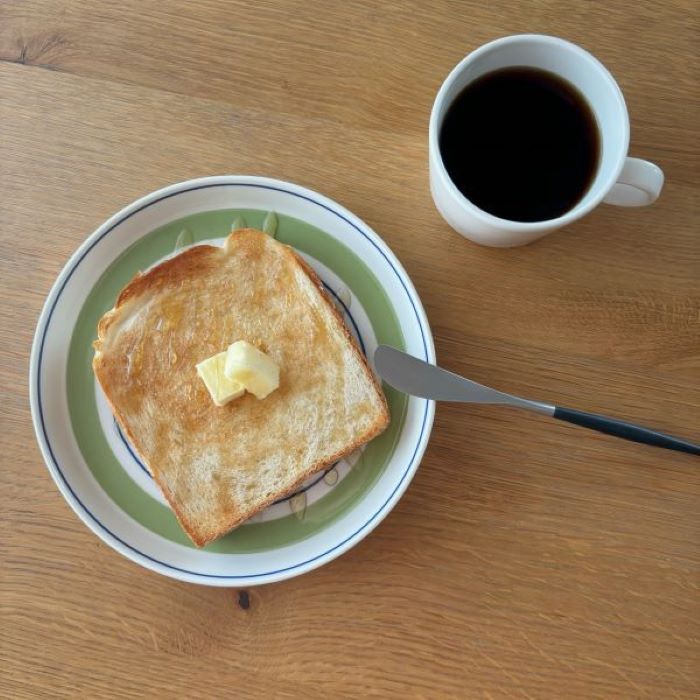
218 466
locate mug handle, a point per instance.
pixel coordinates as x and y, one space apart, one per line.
639 184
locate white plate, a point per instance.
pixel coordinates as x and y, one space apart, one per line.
93 465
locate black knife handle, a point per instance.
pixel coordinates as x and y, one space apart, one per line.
628 431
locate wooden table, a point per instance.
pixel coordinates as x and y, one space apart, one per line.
527 558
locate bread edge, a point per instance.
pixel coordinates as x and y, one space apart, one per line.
143 282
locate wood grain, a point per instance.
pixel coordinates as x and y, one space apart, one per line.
527 559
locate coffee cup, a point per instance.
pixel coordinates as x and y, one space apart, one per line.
617 178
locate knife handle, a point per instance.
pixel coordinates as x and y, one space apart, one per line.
627 431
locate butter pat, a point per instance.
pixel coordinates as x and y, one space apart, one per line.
221 388
247 365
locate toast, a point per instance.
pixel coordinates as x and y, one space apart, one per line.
218 466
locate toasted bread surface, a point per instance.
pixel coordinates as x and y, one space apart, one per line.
218 466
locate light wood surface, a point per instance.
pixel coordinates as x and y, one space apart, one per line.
527 559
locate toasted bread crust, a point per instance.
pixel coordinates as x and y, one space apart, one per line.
158 277
171 273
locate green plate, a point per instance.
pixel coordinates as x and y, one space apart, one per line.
101 475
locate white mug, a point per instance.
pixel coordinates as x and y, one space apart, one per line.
628 182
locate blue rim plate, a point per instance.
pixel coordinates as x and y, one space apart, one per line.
357 267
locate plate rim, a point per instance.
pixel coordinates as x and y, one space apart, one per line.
73 500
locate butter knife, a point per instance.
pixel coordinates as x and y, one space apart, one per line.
413 376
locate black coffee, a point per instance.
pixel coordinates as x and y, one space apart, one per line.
521 144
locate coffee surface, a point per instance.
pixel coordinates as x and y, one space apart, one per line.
521 143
